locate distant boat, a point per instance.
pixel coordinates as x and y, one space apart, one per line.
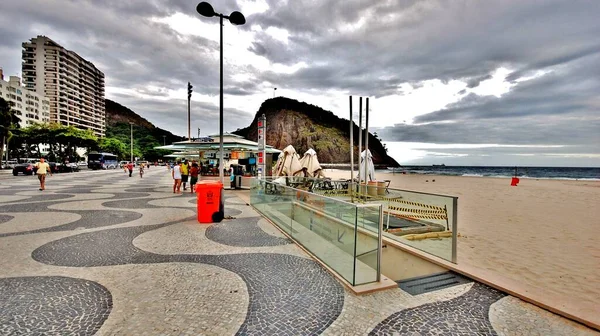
442 165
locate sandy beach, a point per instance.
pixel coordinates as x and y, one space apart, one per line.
542 233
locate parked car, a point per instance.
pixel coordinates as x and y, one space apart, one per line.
82 164
10 164
73 166
26 168
123 163
66 167
29 168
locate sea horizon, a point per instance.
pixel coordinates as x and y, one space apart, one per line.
525 172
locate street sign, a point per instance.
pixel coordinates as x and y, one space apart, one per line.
262 131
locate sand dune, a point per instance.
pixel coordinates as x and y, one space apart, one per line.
543 233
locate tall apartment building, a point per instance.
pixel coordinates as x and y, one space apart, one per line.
30 106
73 85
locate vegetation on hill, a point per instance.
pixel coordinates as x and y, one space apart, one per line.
304 126
64 140
145 135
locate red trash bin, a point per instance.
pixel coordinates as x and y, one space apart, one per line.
209 198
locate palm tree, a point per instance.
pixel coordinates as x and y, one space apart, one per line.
8 122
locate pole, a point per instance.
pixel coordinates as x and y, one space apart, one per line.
351 189
131 144
221 165
379 239
366 141
189 129
164 140
359 138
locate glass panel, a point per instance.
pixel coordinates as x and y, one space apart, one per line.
423 221
367 241
274 202
325 227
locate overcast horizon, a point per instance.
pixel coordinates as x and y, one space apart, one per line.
499 83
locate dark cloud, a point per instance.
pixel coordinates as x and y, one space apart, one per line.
474 82
361 47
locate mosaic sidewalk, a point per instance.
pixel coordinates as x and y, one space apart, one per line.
101 253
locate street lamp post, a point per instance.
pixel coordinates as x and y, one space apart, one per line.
274 89
236 18
164 140
131 144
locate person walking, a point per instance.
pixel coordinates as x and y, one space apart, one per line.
193 176
185 169
142 170
43 168
176 173
130 168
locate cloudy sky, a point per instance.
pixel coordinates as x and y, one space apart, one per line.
455 82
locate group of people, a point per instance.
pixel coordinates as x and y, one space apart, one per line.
129 168
181 171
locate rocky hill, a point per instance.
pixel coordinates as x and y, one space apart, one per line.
304 126
118 117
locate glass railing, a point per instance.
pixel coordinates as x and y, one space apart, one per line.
427 222
344 236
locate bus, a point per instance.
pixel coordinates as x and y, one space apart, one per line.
102 161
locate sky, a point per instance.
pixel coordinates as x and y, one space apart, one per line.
465 82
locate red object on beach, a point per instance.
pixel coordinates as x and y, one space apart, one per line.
514 181
209 198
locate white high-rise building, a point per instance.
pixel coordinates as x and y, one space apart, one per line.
29 106
73 85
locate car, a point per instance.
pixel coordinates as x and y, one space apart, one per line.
25 168
67 167
82 164
10 164
123 163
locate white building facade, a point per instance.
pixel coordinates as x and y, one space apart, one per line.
73 85
28 105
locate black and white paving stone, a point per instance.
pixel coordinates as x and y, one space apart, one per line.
243 232
239 276
5 218
52 305
465 315
309 291
88 220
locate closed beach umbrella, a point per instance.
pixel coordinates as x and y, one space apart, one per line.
288 163
370 174
311 164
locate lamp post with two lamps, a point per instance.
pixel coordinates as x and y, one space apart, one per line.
236 18
131 143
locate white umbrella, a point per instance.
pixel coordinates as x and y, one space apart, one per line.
288 163
310 162
370 175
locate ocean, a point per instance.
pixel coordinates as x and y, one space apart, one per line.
563 173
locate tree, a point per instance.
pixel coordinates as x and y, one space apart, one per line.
114 146
8 122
